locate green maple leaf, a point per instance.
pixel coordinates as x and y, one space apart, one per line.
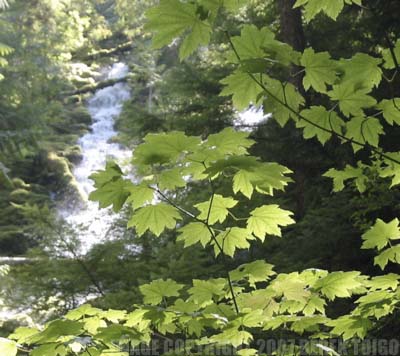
319 118
231 239
242 183
365 130
244 90
203 292
349 326
83 311
171 179
45 350
388 57
313 305
391 254
93 324
284 102
156 291
388 281
114 315
155 218
252 41
164 148
229 141
23 334
392 169
113 193
56 329
172 18
291 287
8 347
308 323
193 233
262 176
379 235
137 319
267 220
320 70
331 8
111 172
257 271
351 100
390 110
231 163
139 195
339 284
219 208
349 172
232 336
269 176
354 70
256 47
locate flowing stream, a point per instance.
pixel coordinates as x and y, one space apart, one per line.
91 223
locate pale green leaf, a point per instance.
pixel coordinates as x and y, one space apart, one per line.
267 220
351 100
349 172
171 179
193 233
320 70
283 102
364 130
231 239
257 271
391 254
354 70
164 148
139 195
8 347
215 209
242 183
380 235
203 292
388 57
320 123
244 90
156 291
229 141
172 18
390 110
350 326
155 218
387 281
339 284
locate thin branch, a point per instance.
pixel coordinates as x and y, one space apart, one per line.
213 237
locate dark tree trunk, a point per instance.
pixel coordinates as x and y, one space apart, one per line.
291 25
292 33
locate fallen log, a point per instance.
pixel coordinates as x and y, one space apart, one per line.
124 47
90 88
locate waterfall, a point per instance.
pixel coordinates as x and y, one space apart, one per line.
89 222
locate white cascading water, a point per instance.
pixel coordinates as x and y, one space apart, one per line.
91 223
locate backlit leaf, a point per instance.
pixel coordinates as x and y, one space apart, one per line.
155 218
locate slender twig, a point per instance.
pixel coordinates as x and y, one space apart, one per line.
212 233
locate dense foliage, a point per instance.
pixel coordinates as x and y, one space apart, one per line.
224 194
